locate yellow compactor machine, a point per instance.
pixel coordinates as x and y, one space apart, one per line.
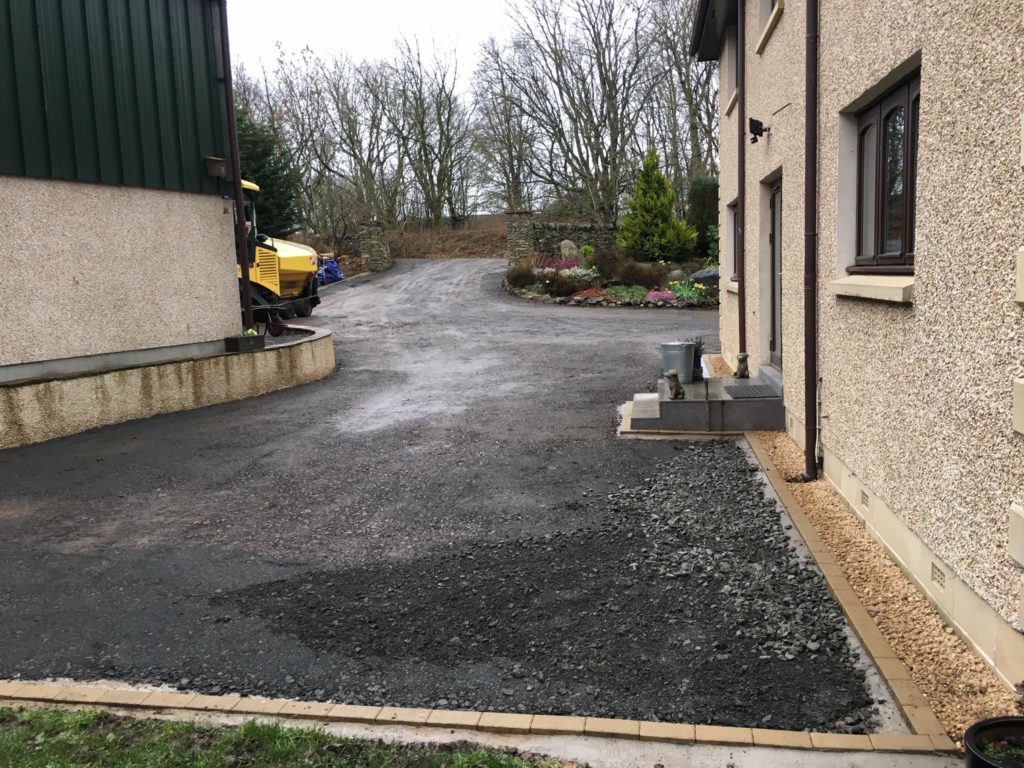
282 273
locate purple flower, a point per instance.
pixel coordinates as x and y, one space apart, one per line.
567 264
661 296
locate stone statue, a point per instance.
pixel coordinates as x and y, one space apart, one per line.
675 389
742 372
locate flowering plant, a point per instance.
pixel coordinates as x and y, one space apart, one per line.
661 296
561 266
580 273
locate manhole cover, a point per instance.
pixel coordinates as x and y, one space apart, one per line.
744 391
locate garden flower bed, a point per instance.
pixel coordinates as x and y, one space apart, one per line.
608 279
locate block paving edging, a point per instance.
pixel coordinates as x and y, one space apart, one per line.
928 733
13 692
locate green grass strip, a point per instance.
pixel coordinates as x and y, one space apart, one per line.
52 738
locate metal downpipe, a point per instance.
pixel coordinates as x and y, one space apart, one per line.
811 244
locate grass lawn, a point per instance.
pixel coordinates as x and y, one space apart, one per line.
51 738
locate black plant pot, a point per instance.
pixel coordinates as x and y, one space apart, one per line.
985 732
243 343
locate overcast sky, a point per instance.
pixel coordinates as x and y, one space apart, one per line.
363 30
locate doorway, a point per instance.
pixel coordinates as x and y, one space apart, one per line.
775 247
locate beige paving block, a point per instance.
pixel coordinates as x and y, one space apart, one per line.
444 718
553 725
892 669
310 709
676 733
39 691
901 742
80 694
124 698
907 693
844 742
607 726
403 716
168 700
252 706
724 734
766 737
354 713
505 722
923 720
943 743
10 687
213 703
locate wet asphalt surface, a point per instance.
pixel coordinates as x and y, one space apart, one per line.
447 520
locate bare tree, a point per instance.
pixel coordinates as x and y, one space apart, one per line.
503 136
579 71
431 122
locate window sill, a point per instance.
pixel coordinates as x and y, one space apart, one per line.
898 289
732 102
732 286
773 20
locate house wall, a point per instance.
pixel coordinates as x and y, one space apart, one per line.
92 269
917 397
774 85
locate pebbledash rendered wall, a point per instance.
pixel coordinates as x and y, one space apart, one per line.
91 269
917 400
918 397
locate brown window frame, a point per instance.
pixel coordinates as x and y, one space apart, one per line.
877 259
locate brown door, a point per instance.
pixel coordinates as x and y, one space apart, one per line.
775 244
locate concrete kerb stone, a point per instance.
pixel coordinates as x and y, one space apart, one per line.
907 695
187 705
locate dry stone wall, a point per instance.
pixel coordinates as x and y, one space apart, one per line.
373 245
527 236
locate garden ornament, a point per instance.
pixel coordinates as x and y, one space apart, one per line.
742 372
675 389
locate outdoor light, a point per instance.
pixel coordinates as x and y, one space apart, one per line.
757 130
216 167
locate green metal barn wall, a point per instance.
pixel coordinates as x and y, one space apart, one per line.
112 91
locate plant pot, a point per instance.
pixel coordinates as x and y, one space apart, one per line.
995 743
243 343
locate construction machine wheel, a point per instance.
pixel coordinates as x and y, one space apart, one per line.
303 307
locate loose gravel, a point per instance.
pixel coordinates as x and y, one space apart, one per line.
959 686
685 601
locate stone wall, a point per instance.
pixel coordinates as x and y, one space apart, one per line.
373 245
527 236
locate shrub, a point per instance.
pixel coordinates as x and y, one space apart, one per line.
661 296
635 293
634 273
650 229
559 284
607 262
520 276
586 251
702 210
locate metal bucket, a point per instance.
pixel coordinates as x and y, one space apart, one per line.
678 356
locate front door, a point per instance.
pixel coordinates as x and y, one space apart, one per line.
775 245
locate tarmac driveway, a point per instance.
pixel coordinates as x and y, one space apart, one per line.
447 520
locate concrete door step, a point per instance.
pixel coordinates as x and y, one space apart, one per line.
714 405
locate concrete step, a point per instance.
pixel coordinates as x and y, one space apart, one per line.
707 407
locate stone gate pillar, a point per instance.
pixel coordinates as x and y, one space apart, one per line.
520 235
374 246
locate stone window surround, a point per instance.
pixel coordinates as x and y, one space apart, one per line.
770 23
887 288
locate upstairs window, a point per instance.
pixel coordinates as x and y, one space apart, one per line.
887 181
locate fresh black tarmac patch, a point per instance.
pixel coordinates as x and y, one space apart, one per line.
684 602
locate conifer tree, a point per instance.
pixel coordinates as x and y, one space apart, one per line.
265 162
650 230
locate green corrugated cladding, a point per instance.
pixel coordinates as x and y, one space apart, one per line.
112 91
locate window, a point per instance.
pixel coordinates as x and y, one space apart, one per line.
734 225
886 181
